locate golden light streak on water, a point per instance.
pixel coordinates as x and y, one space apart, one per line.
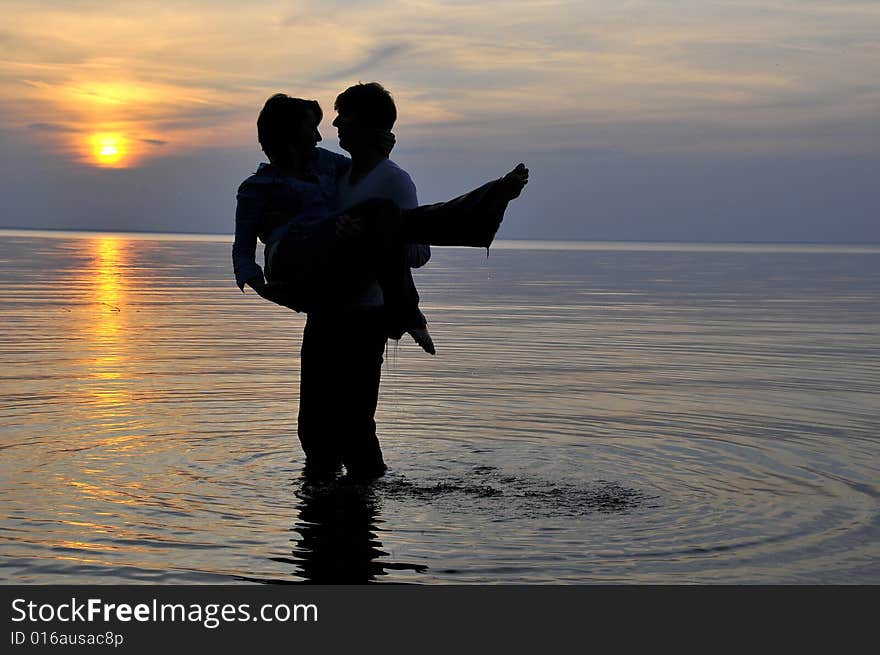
84 545
92 527
110 495
102 320
81 560
109 288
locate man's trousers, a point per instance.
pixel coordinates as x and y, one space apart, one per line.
341 365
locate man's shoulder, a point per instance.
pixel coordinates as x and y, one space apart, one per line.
396 183
392 169
392 176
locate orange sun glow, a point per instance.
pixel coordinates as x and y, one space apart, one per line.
108 149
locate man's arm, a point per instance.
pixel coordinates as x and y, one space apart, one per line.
402 190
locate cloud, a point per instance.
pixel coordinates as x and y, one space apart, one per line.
378 56
52 127
28 48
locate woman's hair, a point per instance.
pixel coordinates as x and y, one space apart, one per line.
370 102
279 120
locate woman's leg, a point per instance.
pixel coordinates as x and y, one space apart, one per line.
322 266
401 298
471 219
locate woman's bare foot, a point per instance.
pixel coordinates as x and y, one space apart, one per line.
422 337
515 181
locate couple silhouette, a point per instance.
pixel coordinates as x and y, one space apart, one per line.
341 238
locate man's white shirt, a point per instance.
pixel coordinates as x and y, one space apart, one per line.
387 180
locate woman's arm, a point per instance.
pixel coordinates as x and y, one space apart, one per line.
251 202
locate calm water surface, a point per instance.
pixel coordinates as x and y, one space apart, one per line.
595 413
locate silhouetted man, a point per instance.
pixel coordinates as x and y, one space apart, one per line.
366 114
342 351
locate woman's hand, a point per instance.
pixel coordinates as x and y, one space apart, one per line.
384 139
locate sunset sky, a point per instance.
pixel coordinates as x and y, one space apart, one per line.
752 120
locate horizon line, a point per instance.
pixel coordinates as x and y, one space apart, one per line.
500 244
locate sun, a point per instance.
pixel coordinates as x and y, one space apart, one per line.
108 149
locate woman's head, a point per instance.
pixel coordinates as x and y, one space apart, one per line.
287 128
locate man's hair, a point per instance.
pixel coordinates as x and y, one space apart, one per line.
370 102
279 119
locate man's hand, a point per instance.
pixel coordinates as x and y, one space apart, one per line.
348 227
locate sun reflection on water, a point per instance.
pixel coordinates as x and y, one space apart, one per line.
109 259
110 434
105 355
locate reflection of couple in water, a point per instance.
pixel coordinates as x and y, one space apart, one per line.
341 238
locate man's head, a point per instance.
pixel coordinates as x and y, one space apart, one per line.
287 128
363 111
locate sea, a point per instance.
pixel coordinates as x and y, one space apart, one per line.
596 413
